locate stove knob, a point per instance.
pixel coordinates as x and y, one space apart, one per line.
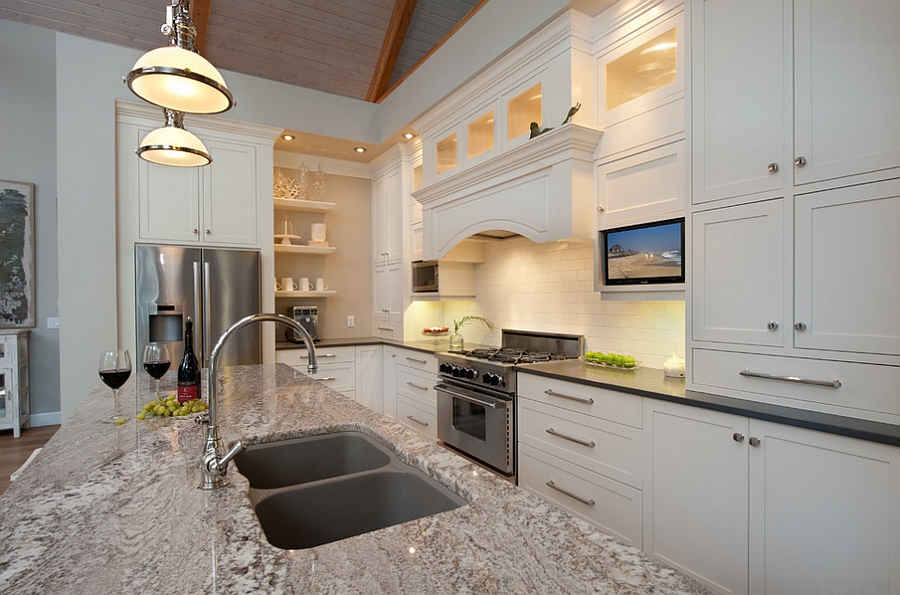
455 371
471 374
486 379
445 368
495 379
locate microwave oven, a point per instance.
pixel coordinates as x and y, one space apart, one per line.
425 276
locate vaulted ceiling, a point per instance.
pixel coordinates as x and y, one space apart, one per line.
354 48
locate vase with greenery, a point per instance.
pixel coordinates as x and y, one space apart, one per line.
456 339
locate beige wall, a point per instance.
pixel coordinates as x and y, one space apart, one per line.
348 270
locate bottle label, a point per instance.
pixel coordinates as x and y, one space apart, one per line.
187 393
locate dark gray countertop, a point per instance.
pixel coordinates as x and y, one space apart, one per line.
651 382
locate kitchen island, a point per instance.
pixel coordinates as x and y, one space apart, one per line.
106 508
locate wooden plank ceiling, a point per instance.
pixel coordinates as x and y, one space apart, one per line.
354 48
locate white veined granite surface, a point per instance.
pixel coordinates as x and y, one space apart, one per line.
116 509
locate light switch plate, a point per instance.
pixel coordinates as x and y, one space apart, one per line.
53 322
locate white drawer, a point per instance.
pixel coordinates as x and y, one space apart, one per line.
340 376
866 391
417 385
604 447
615 406
418 417
612 506
299 357
416 359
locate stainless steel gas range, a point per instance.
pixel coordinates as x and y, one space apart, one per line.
477 390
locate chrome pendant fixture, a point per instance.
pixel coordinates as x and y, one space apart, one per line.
177 76
173 145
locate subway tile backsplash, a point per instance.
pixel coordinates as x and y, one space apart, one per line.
550 287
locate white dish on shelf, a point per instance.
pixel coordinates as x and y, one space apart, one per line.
636 365
280 237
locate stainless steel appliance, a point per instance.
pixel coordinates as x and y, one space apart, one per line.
425 276
477 390
308 318
215 288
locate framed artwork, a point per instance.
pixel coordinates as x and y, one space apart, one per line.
17 302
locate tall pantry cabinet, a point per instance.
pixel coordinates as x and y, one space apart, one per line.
795 140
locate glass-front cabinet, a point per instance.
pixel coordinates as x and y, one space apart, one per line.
15 403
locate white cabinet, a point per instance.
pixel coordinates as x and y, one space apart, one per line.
368 377
580 448
835 118
337 366
387 216
409 395
388 292
756 507
215 205
796 306
15 398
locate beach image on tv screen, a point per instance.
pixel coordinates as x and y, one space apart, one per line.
644 253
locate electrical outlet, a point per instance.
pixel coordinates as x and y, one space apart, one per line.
439 310
53 322
351 320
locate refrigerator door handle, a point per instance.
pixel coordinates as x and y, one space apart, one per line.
207 298
197 298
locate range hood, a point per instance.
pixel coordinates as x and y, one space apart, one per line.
542 189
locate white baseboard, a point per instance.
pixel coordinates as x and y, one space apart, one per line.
46 419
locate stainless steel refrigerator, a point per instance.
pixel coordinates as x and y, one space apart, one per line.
215 287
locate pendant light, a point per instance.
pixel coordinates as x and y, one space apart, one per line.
176 76
173 145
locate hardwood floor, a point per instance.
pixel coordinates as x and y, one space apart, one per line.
15 451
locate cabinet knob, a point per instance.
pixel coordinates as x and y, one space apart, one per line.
773 167
800 326
196 230
772 326
754 441
800 161
207 232
600 209
738 437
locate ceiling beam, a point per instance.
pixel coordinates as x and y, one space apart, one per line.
200 17
390 48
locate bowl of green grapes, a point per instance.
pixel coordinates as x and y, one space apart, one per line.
610 360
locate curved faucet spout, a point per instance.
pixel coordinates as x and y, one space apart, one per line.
214 465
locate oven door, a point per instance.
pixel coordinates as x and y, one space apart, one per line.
477 424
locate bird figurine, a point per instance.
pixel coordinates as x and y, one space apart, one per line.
572 111
536 130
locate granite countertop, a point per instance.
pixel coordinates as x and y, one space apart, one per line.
107 508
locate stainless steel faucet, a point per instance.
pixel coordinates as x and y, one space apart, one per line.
214 464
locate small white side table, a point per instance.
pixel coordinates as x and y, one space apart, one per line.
15 401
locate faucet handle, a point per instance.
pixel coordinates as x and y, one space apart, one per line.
202 419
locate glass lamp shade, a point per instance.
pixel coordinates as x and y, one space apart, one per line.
170 145
181 80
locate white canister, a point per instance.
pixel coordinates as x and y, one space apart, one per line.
674 367
317 233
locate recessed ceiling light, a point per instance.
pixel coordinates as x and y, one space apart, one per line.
359 149
408 135
287 136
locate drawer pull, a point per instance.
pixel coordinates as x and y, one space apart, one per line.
306 355
588 501
386 328
418 386
418 421
552 432
326 379
418 361
826 383
553 393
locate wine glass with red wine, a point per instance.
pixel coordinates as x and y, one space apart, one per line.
156 362
115 369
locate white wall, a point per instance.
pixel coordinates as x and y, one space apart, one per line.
550 287
28 154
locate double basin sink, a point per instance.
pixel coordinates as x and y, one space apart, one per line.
319 489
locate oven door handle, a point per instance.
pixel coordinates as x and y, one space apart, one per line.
445 389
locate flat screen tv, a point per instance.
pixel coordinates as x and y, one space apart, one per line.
643 254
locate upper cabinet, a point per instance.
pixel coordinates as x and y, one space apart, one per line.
792 93
220 204
387 230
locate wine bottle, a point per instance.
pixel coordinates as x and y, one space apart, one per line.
189 369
